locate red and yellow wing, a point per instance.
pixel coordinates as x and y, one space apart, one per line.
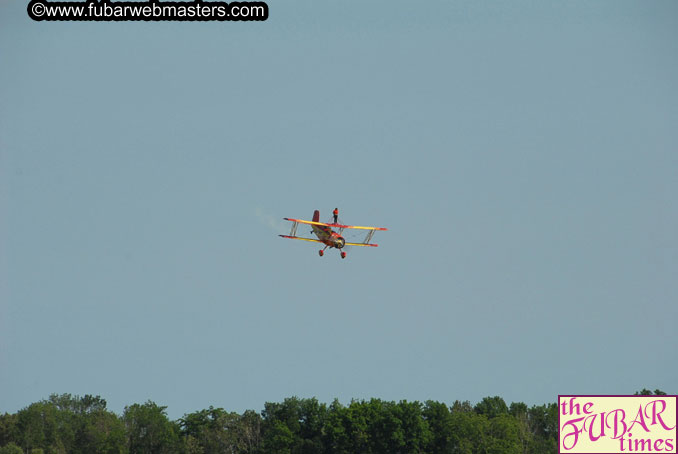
361 244
341 226
358 227
300 238
301 221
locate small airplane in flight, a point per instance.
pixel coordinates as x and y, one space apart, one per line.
329 237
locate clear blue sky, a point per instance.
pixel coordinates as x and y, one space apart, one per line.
523 154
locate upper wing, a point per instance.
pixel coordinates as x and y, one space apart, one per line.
300 238
341 226
308 222
358 227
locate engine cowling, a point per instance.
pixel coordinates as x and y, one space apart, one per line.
340 242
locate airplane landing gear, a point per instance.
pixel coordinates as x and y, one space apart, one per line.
321 252
343 255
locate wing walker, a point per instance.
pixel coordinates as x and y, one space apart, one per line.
327 236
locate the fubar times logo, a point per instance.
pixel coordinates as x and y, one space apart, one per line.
617 424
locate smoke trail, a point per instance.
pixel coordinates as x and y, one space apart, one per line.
278 225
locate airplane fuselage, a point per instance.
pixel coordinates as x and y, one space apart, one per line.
328 236
325 234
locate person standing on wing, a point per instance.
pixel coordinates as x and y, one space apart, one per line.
336 214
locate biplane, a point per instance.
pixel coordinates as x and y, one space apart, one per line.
329 237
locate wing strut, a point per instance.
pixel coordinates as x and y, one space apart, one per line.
368 238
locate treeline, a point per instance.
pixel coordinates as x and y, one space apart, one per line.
66 424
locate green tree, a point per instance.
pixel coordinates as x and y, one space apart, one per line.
459 406
38 427
491 407
647 392
542 421
504 435
335 434
11 448
519 411
249 432
312 420
416 430
295 425
216 430
346 429
468 432
149 431
385 430
84 426
439 420
278 438
396 428
9 432
100 432
76 404
191 445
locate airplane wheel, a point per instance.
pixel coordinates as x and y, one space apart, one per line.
343 255
321 252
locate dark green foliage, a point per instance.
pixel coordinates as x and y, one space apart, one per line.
647 392
491 407
294 426
8 428
11 448
65 424
82 425
149 431
468 432
394 427
459 406
345 430
215 431
439 419
518 410
504 435
542 422
101 432
77 405
92 429
38 427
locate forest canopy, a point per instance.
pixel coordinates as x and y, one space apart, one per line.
83 425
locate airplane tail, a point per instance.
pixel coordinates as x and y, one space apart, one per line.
316 216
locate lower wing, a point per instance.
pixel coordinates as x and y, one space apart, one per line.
300 238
